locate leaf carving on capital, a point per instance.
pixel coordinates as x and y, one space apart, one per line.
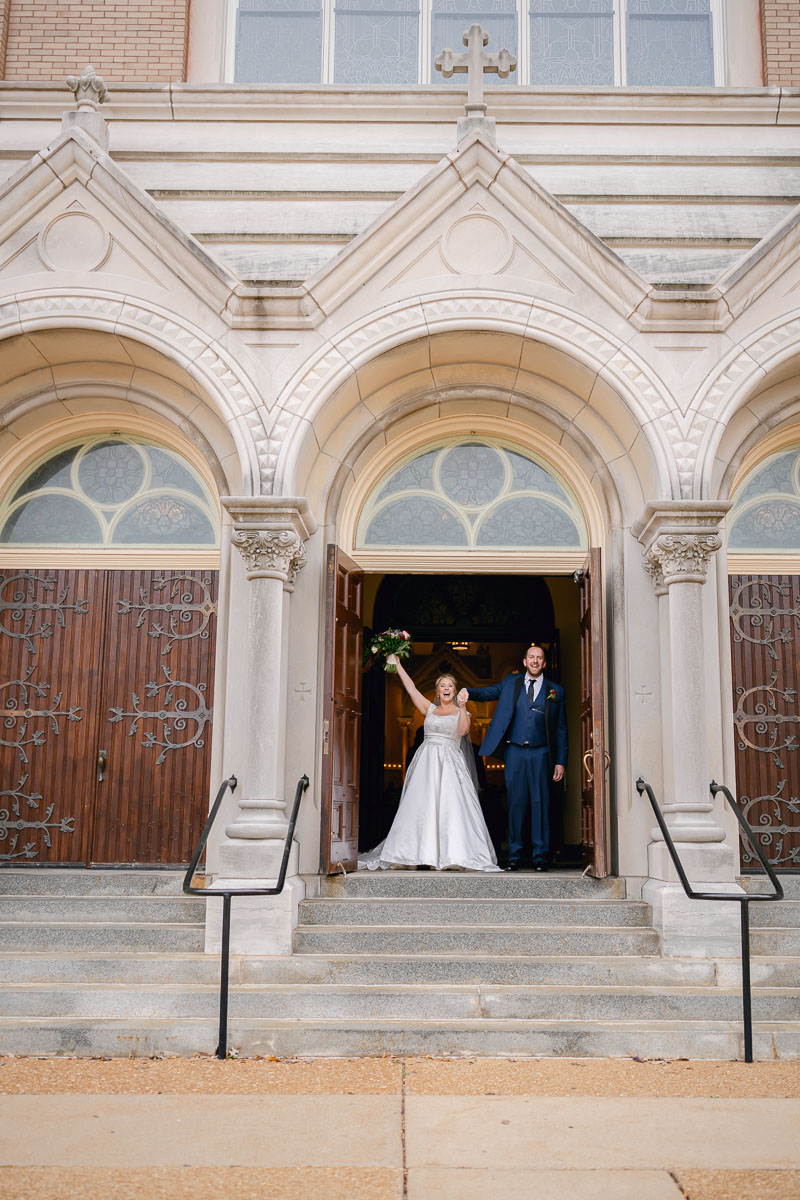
271 553
680 557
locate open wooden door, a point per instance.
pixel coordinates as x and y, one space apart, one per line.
594 759
341 720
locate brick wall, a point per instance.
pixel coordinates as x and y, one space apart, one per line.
4 4
124 40
780 26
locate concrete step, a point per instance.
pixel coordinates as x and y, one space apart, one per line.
782 914
473 939
103 909
460 911
775 940
399 1002
760 883
79 881
348 1038
444 969
388 969
473 884
75 936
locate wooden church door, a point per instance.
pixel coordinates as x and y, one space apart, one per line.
106 681
594 759
341 727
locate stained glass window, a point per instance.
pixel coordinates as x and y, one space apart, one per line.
766 509
475 494
110 491
572 42
278 41
450 20
377 41
669 43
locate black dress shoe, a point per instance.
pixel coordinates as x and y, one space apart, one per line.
539 864
513 865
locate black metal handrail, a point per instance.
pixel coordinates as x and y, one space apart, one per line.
228 893
744 900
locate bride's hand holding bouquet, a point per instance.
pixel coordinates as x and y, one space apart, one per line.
394 644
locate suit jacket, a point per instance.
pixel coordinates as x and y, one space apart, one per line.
506 693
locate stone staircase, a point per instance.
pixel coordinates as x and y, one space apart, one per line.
399 962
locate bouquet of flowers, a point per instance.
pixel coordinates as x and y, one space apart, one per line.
391 641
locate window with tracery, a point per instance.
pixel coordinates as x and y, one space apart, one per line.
110 491
766 508
566 43
477 494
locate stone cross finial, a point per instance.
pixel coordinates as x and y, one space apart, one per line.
475 63
82 87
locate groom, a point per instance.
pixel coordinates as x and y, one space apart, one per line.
529 729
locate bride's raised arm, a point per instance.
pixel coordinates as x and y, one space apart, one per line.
420 701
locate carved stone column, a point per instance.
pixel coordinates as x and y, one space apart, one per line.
680 539
269 533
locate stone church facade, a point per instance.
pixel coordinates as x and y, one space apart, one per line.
239 320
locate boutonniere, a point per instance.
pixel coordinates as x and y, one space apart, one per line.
551 695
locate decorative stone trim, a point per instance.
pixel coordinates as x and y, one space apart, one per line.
270 553
679 538
269 532
680 558
192 348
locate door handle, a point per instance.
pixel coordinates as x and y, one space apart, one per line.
102 760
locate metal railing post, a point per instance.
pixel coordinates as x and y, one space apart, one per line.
227 895
744 901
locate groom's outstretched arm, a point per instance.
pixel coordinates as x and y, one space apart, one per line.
485 693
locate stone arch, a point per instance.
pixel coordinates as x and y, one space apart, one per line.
151 356
756 391
482 358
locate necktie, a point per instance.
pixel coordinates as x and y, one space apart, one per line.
531 686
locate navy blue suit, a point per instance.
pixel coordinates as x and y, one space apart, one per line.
533 740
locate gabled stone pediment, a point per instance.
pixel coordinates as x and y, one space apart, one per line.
773 265
71 217
479 219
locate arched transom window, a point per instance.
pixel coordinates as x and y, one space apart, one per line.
472 495
110 492
765 516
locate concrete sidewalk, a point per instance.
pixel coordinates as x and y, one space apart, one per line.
386 1129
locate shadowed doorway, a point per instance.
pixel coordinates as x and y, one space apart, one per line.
476 627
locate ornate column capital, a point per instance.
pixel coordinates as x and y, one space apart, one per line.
679 538
269 532
270 553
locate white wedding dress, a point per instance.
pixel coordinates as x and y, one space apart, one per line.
439 822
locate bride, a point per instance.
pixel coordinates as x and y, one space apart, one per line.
439 822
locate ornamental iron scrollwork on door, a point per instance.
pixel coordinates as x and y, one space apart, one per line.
13 822
18 713
771 828
765 724
765 616
188 603
173 719
18 603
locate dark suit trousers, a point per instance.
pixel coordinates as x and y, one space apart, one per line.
528 783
